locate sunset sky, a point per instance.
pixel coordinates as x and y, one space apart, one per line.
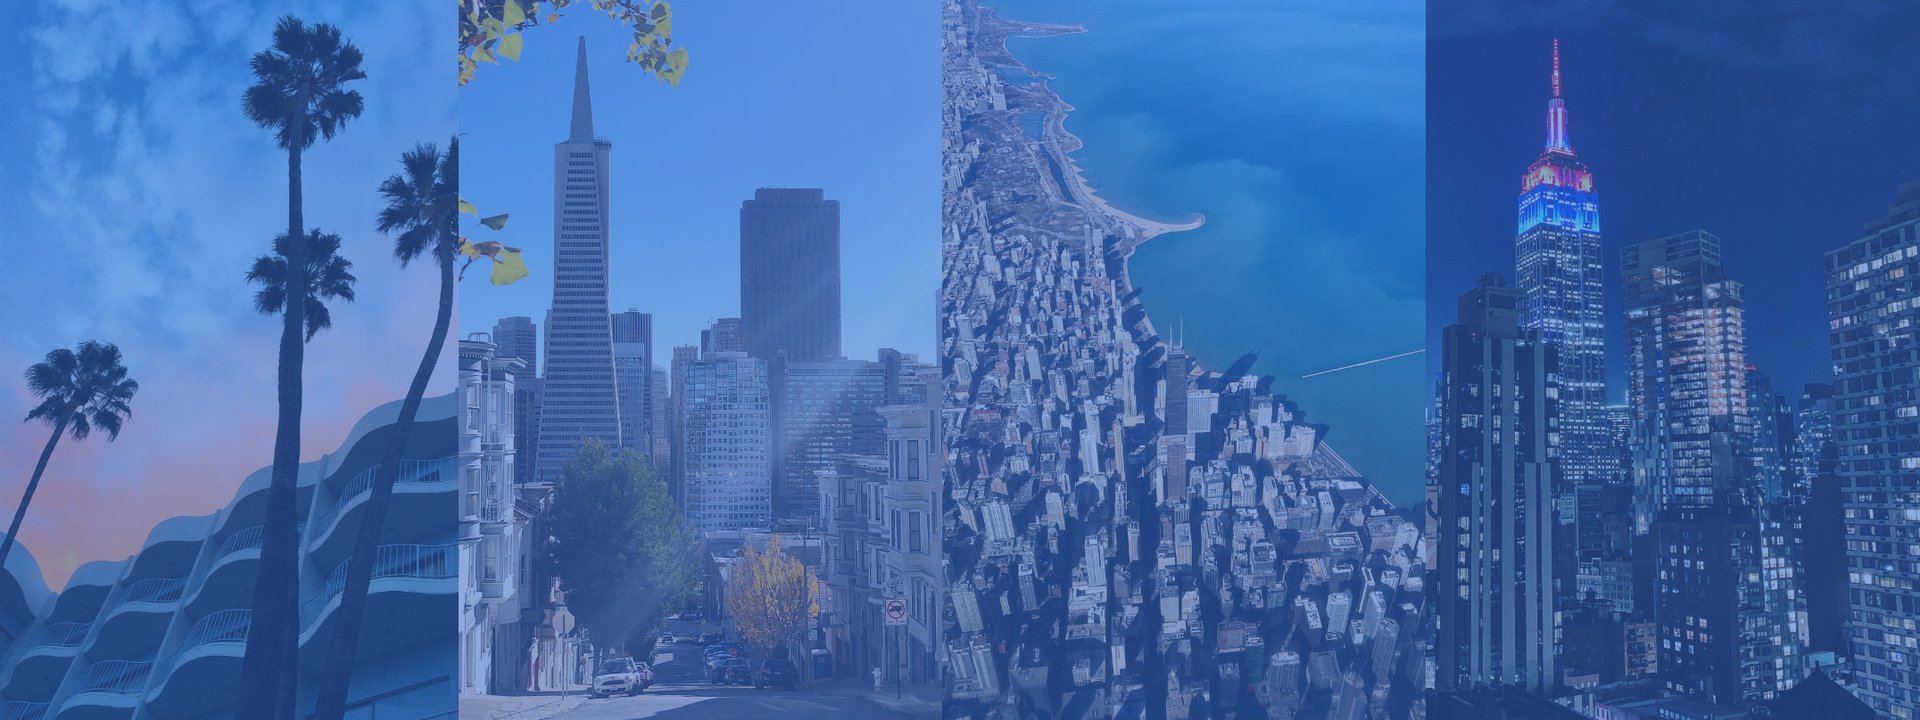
136 196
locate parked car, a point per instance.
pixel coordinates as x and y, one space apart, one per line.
778 672
668 639
731 647
710 638
618 676
732 671
645 674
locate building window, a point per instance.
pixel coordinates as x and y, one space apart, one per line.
914 534
913 459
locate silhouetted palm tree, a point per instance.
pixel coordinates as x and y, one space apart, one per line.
423 215
79 392
331 279
299 92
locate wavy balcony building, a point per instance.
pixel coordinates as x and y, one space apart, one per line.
159 635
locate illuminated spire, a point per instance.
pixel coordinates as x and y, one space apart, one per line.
1556 67
1557 111
582 99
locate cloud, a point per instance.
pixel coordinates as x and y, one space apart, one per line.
149 194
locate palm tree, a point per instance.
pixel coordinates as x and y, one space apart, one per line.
422 213
299 92
79 392
331 279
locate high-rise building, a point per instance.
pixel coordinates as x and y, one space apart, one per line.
633 373
518 337
1498 397
579 397
659 420
683 358
722 336
1769 446
728 462
1814 453
1558 274
1873 307
1686 378
826 410
790 275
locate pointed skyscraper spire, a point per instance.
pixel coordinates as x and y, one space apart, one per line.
1556 67
1557 110
582 99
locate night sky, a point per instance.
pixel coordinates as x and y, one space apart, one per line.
1779 126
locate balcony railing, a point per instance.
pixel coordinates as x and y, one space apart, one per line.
228 627
154 590
115 677
66 634
248 539
22 710
410 561
411 471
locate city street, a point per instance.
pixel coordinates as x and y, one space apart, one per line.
681 691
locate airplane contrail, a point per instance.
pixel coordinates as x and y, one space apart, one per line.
1363 363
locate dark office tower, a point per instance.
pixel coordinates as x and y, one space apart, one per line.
1557 268
1178 368
683 358
633 371
659 420
825 412
1765 443
518 337
1814 453
722 336
1497 522
1686 376
790 275
1873 306
579 394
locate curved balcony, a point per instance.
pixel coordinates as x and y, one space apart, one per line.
203 673
227 578
22 710
414 492
138 619
110 689
40 669
412 592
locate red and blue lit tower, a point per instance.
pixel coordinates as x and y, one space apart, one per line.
1557 271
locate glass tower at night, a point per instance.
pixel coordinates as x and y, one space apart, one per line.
1557 269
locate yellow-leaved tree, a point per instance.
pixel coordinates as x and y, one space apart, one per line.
770 596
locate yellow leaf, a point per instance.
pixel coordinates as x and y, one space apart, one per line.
513 14
484 55
508 268
467 207
510 47
553 17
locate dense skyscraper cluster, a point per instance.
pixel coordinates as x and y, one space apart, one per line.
1674 554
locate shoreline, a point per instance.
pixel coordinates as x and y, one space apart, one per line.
1062 143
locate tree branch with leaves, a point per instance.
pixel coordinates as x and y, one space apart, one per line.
770 596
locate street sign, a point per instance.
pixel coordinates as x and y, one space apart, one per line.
562 621
896 611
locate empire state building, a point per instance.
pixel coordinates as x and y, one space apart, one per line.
578 397
1557 269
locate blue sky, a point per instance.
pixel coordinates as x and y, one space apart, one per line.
136 196
840 95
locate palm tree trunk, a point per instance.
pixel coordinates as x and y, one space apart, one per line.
20 514
338 672
273 632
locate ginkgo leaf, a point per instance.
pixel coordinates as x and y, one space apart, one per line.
513 14
497 222
468 208
510 47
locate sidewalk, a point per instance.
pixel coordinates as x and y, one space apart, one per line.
518 707
916 700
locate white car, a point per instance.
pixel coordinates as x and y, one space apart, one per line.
618 676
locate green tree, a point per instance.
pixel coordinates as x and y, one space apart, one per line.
618 544
493 29
299 93
79 392
330 278
422 214
770 596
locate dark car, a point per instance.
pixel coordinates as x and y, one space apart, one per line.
779 673
732 648
710 638
731 671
